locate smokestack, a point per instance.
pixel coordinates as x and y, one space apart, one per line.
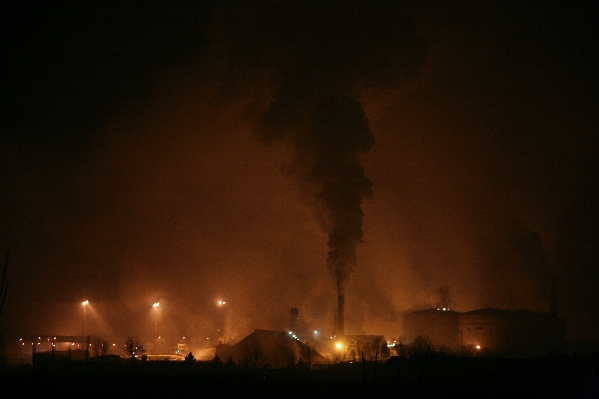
341 314
293 316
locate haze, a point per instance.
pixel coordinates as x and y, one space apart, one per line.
141 162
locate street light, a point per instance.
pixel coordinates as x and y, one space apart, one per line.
339 347
223 305
156 305
84 303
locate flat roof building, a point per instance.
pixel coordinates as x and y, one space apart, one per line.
506 332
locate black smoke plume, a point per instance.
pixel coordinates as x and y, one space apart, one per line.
338 135
318 57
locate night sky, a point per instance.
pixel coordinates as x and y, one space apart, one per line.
210 151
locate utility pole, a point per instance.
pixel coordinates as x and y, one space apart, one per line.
84 303
156 305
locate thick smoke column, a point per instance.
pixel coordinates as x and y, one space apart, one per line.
328 150
339 134
328 157
318 56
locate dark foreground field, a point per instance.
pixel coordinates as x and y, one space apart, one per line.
433 377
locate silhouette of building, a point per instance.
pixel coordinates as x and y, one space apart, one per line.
271 349
506 332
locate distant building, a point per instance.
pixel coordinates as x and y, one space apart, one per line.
272 349
507 332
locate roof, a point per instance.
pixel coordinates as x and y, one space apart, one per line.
433 311
275 349
509 313
485 311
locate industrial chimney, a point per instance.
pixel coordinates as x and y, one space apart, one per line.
293 316
340 315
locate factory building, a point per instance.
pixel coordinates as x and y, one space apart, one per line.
271 349
505 332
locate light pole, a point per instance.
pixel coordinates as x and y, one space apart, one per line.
339 348
156 305
84 303
222 339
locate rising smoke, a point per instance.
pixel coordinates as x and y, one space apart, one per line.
339 133
319 56
327 156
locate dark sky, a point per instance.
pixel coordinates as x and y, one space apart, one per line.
171 153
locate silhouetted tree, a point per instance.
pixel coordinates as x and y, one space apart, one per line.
230 363
133 347
190 359
99 347
401 348
420 345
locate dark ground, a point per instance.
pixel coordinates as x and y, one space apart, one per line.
437 377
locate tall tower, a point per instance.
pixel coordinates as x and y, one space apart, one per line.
293 317
340 330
